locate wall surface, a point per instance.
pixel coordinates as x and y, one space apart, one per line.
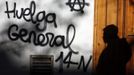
48 27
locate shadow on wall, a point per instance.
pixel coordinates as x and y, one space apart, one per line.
115 55
14 48
6 67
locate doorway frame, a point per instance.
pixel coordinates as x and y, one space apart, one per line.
106 12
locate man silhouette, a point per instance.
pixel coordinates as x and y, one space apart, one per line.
115 55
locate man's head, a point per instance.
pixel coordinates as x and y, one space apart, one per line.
110 33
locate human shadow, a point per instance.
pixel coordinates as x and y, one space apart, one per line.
115 55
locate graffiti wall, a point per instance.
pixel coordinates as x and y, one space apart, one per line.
60 28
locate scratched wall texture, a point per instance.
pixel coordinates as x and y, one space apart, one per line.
15 54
